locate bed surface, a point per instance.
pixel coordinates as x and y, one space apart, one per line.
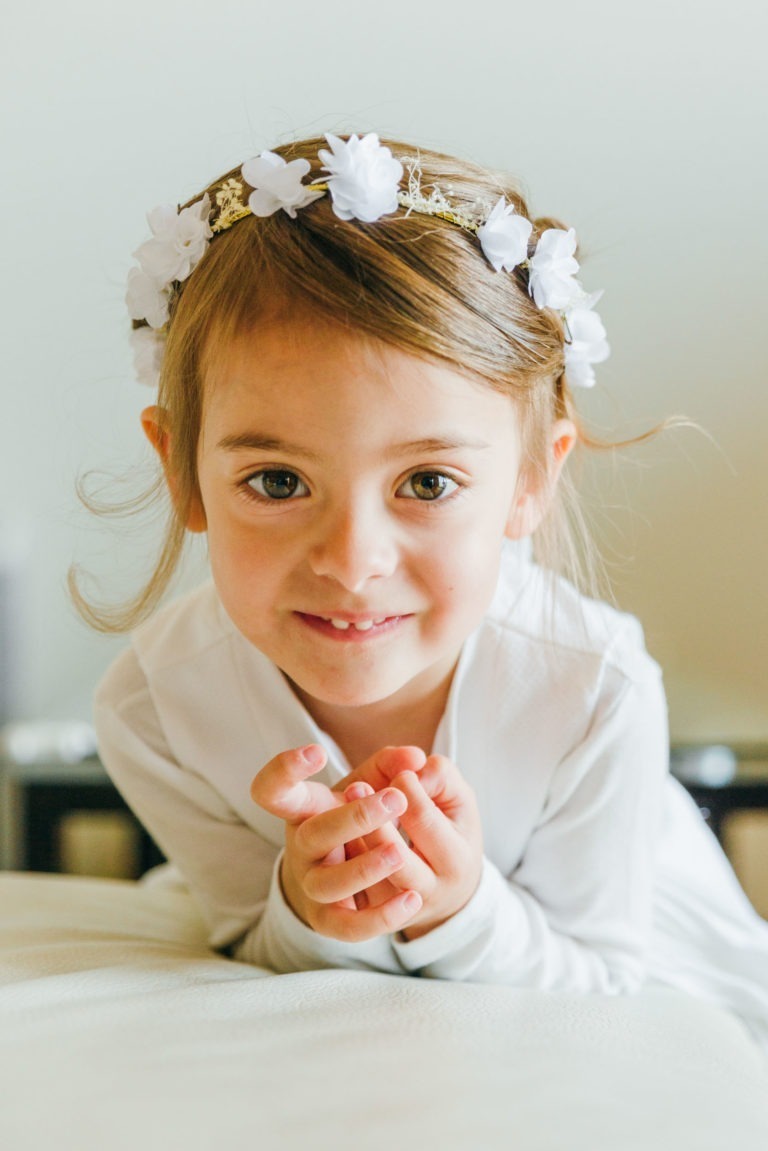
119 1029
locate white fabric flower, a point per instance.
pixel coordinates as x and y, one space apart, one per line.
552 269
363 177
179 241
504 237
145 300
587 345
148 347
277 184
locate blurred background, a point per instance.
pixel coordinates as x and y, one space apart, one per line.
644 126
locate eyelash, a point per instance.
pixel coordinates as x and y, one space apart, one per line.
252 492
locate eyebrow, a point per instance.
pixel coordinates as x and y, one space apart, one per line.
253 440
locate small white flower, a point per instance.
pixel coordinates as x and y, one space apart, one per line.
363 177
552 269
148 347
504 237
179 241
145 301
587 344
277 184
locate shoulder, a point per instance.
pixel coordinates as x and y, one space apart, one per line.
184 629
550 687
537 611
183 632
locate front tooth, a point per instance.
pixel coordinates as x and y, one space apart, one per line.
340 624
364 624
380 620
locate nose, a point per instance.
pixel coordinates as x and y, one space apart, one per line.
353 544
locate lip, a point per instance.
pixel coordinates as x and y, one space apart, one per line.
322 625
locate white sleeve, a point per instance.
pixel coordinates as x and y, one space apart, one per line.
575 915
230 869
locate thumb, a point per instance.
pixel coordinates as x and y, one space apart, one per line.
282 787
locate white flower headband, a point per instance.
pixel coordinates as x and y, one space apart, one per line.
363 182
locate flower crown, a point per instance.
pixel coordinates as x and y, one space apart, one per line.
363 180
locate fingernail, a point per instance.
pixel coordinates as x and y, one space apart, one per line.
411 902
313 754
357 791
392 800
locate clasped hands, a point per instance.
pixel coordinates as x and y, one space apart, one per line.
347 870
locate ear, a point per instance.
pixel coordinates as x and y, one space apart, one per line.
535 493
154 423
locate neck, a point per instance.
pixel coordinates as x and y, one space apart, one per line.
362 731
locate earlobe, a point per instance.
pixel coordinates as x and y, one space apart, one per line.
535 492
155 429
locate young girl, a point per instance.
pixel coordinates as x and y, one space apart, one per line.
382 736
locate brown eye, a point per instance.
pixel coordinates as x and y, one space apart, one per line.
427 486
276 484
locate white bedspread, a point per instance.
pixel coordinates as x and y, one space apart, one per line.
119 1030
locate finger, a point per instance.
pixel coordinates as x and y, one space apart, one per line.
443 782
325 883
431 832
291 881
281 786
317 836
376 893
381 835
415 872
449 790
357 791
379 770
353 849
356 926
357 847
375 838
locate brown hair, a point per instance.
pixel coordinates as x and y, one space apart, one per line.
417 282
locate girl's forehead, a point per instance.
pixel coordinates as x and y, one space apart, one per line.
317 376
307 351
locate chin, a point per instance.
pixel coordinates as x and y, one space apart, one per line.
355 692
354 696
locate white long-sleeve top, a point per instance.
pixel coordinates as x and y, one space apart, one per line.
556 718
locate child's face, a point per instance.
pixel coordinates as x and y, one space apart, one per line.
319 452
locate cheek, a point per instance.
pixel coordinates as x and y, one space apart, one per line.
462 578
251 563
235 551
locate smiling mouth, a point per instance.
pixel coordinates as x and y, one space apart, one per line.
346 628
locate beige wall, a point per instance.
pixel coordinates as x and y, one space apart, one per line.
644 125
746 841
